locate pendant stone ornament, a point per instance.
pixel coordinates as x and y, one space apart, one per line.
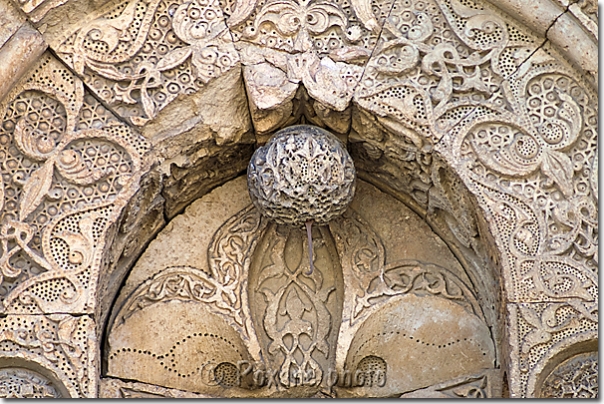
303 175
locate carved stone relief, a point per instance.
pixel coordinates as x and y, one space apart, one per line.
138 56
68 165
479 115
577 377
293 51
25 383
61 344
271 328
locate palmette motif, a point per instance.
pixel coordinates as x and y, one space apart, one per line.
422 89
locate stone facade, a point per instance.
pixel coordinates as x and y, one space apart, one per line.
133 262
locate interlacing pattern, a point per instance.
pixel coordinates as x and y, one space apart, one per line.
473 118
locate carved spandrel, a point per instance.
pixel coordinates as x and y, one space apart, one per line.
67 164
436 61
138 56
296 315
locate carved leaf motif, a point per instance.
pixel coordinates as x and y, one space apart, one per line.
35 189
204 64
557 280
362 9
558 167
571 113
173 58
148 104
66 330
494 29
81 245
112 31
71 166
243 9
407 56
32 143
544 325
291 18
362 249
108 71
536 336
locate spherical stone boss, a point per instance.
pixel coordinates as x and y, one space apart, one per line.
303 174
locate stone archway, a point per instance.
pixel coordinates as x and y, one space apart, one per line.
383 282
116 116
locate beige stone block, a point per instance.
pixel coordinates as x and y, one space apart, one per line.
18 55
567 35
10 20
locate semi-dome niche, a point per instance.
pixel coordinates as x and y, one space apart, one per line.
222 304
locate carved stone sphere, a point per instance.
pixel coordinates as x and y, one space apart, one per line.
303 173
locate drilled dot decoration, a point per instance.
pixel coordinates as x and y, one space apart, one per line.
303 174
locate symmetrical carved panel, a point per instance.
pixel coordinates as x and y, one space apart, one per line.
295 311
321 332
485 127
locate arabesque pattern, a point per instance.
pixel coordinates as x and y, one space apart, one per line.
483 125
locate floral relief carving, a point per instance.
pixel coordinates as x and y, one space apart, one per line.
295 317
295 323
415 277
65 164
435 62
552 217
421 89
60 342
221 287
138 55
542 327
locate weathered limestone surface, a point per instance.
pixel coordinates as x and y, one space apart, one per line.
220 245
472 126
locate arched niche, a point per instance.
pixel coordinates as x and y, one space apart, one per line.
219 304
415 140
22 378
